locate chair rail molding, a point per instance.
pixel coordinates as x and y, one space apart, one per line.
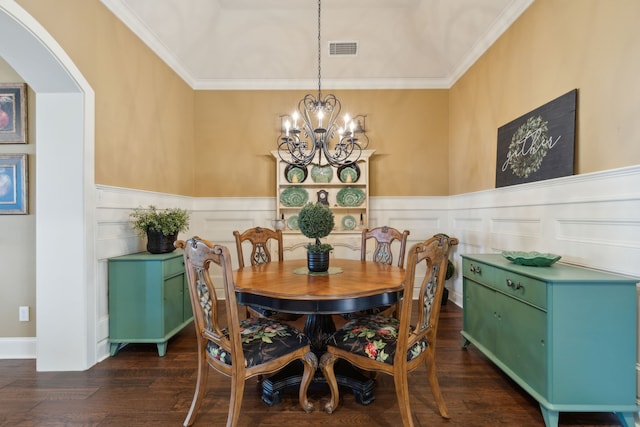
575 217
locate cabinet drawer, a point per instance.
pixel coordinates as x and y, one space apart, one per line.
507 282
173 266
525 288
479 272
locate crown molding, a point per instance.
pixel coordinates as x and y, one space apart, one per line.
120 9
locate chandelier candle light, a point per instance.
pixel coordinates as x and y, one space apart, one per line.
299 143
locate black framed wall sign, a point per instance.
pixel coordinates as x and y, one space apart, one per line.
538 145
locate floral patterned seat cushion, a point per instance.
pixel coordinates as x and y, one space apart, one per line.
374 337
263 339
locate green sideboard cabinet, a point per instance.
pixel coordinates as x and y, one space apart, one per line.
567 335
148 299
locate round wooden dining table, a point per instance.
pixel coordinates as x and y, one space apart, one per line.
349 286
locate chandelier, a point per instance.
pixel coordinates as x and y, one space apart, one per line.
315 129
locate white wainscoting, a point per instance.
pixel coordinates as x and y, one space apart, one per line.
592 220
115 237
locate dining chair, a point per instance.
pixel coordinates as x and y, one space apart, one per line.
260 239
392 346
382 239
239 349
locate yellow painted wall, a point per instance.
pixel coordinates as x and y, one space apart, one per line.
554 47
144 112
237 130
427 142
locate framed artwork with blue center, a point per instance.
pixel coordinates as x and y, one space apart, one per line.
13 184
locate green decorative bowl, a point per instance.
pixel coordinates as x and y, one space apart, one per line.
534 259
350 196
321 173
294 196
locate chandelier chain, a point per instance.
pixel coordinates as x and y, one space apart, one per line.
313 131
319 51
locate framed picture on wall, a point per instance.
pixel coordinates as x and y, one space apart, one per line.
13 113
13 184
538 145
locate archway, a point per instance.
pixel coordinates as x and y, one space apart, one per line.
65 252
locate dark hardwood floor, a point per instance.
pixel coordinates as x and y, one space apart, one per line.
138 388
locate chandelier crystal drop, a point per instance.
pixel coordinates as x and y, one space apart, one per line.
315 129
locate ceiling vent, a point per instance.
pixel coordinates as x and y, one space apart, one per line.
343 48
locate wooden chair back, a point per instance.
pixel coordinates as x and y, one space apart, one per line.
382 344
433 255
384 238
220 344
259 238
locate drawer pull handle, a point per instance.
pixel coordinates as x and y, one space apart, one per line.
513 285
475 269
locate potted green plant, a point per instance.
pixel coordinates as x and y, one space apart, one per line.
161 226
315 221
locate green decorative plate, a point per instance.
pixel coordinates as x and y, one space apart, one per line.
294 196
348 222
292 222
350 196
321 173
295 173
349 173
534 259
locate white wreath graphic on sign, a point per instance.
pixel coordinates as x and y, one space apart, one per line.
527 149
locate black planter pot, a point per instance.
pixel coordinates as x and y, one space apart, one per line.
158 243
445 296
318 262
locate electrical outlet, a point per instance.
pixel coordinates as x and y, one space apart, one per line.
24 313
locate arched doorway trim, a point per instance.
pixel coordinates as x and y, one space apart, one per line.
65 207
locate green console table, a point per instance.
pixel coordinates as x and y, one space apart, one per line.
567 335
148 299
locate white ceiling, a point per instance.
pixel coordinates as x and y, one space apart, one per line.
273 44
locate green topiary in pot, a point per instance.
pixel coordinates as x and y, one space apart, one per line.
161 226
315 221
